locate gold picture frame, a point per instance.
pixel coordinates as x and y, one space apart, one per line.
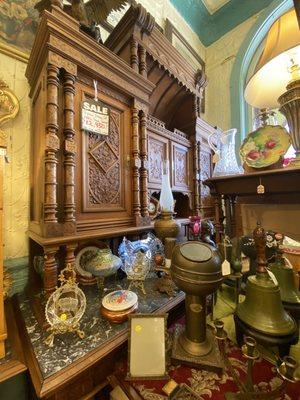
147 351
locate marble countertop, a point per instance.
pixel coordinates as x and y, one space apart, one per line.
69 347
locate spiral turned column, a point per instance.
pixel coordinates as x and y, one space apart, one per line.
69 148
52 145
50 270
144 166
143 63
136 165
134 58
196 177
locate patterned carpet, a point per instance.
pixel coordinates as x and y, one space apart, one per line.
209 385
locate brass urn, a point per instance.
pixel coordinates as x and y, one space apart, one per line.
196 270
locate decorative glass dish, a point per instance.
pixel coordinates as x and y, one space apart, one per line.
92 261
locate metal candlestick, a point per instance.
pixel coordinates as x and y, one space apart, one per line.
247 391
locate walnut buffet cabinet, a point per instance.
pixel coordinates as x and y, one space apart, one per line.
86 187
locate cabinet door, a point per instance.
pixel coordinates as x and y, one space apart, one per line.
103 176
157 152
180 167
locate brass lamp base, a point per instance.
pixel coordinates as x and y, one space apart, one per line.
166 227
290 108
208 356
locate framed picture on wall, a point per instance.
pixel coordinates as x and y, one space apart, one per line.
18 25
186 50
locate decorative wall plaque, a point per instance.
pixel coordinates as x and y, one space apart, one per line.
95 117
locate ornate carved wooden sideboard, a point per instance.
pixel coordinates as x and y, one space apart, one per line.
86 186
174 127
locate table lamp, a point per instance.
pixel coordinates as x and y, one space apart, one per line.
276 79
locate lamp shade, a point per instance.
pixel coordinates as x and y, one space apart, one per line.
166 199
272 73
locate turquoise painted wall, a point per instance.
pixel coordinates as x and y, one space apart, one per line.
209 27
239 108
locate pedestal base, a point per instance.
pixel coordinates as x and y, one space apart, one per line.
211 361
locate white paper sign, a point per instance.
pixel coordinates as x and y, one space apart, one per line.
95 117
225 268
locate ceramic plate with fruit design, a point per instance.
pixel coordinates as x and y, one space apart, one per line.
265 146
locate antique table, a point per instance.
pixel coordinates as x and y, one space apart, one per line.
76 369
280 185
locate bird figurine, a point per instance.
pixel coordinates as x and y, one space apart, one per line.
89 14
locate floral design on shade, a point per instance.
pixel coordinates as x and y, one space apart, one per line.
265 146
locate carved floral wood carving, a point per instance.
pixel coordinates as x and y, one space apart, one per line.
180 167
104 165
156 156
180 161
205 165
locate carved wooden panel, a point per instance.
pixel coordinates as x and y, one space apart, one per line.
103 175
157 152
103 159
180 166
207 207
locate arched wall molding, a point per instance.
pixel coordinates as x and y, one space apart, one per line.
239 108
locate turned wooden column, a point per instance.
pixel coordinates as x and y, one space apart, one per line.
196 177
136 164
70 257
228 229
50 270
134 59
52 145
144 166
219 217
232 202
143 63
69 148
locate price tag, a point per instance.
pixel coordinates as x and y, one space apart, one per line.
245 263
226 264
95 117
216 158
225 268
260 188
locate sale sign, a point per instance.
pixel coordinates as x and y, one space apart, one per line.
95 117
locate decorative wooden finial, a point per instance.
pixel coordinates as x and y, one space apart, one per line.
259 237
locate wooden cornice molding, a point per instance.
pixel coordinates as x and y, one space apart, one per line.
156 44
67 47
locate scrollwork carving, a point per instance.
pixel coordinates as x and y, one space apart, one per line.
144 19
9 108
156 156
